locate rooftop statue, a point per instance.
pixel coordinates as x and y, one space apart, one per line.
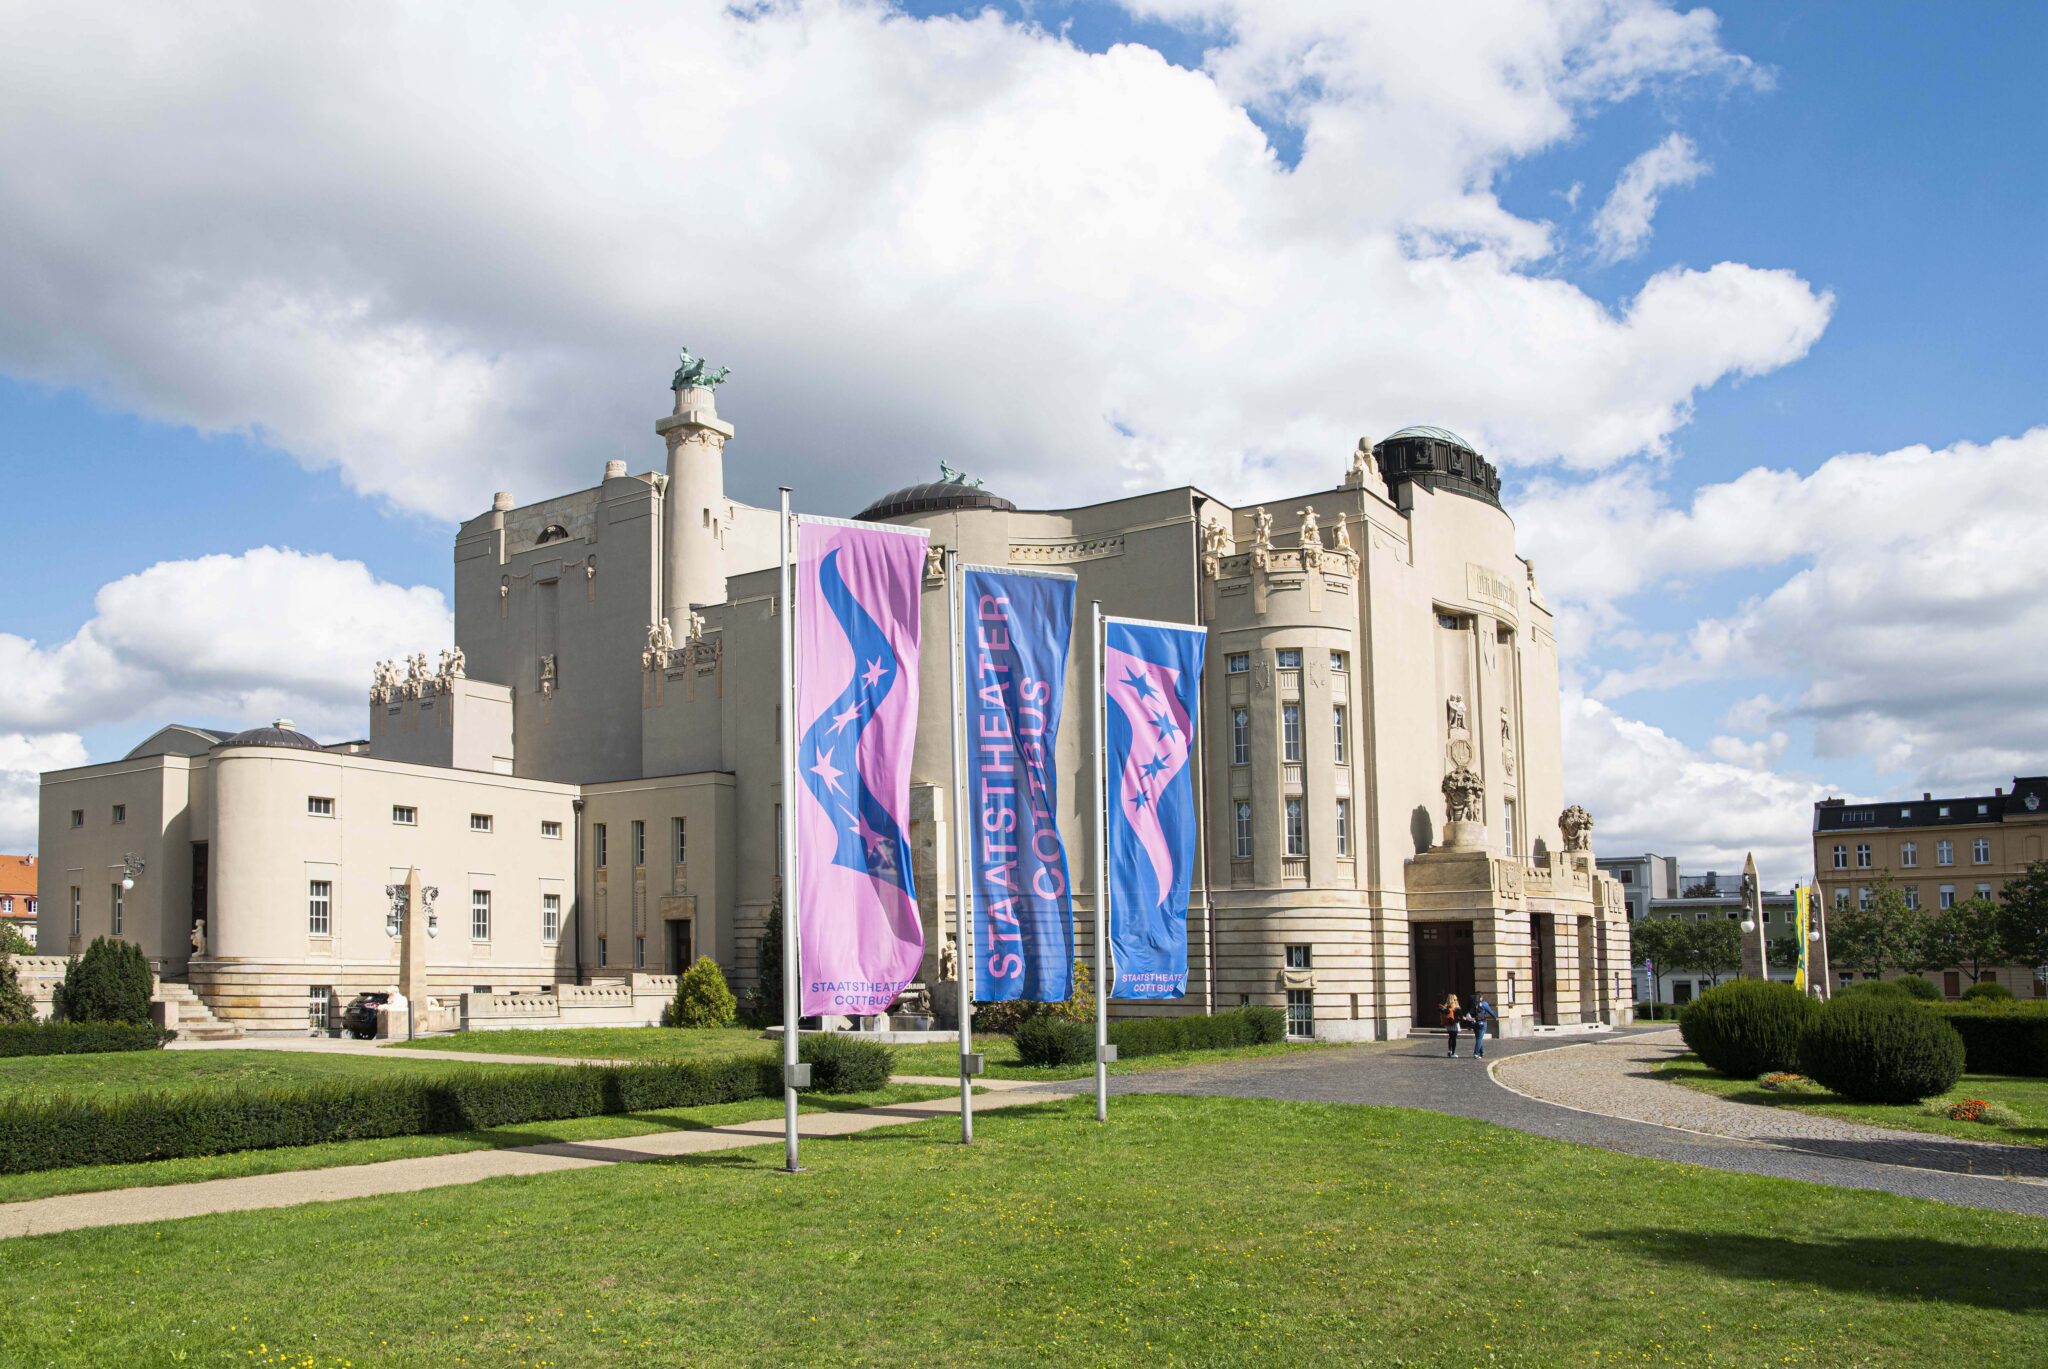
949 476
691 373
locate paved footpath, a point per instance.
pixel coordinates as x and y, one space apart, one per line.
134 1206
1415 1074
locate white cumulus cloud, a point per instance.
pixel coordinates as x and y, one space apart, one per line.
1621 228
23 759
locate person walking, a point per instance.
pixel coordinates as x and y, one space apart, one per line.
1482 1014
1451 1014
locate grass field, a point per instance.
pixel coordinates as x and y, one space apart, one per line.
125 1072
2027 1097
1188 1231
934 1058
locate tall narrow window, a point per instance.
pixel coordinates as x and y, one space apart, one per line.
1297 832
639 843
320 908
1841 856
639 952
550 918
1909 853
117 910
1343 827
597 841
1290 733
480 915
1301 1014
1338 732
1240 736
1507 826
1944 853
1863 855
1241 830
682 843
77 911
319 1007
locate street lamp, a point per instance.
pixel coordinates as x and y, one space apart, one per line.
131 869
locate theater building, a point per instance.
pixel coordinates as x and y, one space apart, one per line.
590 779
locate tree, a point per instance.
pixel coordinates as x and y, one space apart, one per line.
12 942
766 1000
15 1004
702 999
2023 916
1967 935
1885 936
1712 947
110 983
1656 941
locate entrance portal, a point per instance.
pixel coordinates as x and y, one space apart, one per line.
1543 952
1441 956
678 958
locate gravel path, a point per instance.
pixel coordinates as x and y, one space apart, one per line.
1617 1078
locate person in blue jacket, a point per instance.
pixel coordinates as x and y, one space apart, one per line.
1482 1013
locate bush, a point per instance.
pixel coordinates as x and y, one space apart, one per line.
1009 1017
2000 1037
1049 1040
1138 1036
1916 987
845 1064
15 1004
56 1132
1877 1050
1872 988
702 999
79 1038
1987 993
1748 1027
1657 1012
110 983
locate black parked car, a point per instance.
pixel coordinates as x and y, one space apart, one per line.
359 1018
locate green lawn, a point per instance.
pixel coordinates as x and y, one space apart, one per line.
16 1188
935 1058
125 1072
1188 1231
2027 1097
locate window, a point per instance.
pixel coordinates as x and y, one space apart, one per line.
1242 830
1337 732
1841 898
682 843
1912 893
480 822
639 843
1451 621
1340 661
1909 853
1982 809
1948 895
116 905
480 915
1905 813
319 807
120 812
551 829
77 911
1863 855
1343 827
597 840
319 1007
6 903
1944 853
1288 657
1983 891
639 952
1942 811
405 816
1841 856
1299 958
1290 733
1297 834
1863 898
78 817
601 953
1238 663
1240 736
1980 851
320 908
550 918
1625 876
1301 1013
1507 826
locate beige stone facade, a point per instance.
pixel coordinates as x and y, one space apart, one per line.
615 676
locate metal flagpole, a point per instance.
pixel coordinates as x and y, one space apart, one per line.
1101 871
792 1072
963 960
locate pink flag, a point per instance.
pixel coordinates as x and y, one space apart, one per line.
857 615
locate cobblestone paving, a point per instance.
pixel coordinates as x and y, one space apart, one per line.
1415 1074
1617 1079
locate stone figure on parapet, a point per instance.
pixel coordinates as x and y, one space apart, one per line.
696 627
1215 546
199 936
1361 473
458 665
1464 795
1262 528
1311 528
692 375
1575 825
949 476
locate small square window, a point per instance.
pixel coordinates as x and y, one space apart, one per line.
319 807
480 822
1340 661
551 829
1288 657
1238 663
405 815
1298 957
78 817
120 812
1943 810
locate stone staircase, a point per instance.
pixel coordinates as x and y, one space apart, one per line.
196 1021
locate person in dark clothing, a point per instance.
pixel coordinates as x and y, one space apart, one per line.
1483 1016
1452 1012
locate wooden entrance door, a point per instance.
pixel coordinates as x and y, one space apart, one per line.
1543 952
678 949
1440 957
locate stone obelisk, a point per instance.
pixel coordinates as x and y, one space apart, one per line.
1755 960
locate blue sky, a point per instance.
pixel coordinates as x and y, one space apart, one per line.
340 343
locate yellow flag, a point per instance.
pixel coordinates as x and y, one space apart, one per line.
1800 906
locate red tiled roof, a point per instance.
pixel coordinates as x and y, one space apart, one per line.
18 876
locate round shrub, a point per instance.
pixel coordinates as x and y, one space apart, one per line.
1748 1027
1881 1050
845 1064
1916 987
1979 993
1055 1041
109 983
702 999
1872 988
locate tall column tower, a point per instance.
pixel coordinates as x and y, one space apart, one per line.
693 512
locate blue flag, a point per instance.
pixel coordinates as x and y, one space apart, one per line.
1018 628
1151 687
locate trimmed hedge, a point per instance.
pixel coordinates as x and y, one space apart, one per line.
1136 1036
844 1064
1987 992
1647 1011
1749 1027
1055 1041
1917 987
2000 1037
1881 1050
79 1038
1874 988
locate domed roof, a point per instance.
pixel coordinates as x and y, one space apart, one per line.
1434 434
1438 459
933 496
279 733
